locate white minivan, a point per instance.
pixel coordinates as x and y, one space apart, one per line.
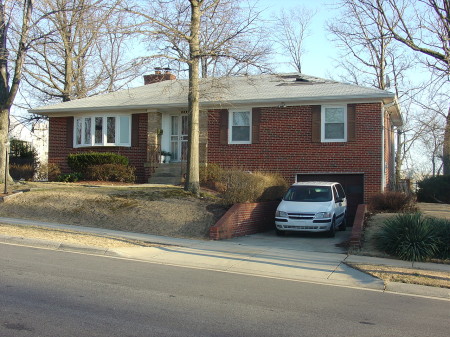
312 207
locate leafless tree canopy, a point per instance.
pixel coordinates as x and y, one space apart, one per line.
291 29
369 56
424 27
231 40
82 51
376 37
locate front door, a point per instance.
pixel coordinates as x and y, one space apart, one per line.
179 137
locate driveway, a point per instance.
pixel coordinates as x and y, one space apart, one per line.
310 242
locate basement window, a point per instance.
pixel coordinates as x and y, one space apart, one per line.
102 130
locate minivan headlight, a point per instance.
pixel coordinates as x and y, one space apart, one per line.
281 214
323 215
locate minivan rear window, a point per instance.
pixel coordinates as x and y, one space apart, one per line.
308 194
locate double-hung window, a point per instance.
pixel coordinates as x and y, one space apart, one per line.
240 130
334 123
102 130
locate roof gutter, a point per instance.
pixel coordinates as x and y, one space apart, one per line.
393 108
267 102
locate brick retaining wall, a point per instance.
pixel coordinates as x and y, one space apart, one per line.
244 219
358 226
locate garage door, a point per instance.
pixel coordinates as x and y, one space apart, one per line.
353 185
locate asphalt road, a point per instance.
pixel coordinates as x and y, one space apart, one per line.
55 293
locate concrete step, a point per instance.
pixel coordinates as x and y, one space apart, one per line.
169 173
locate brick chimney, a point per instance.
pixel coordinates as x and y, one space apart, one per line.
159 76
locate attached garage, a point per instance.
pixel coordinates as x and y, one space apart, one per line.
353 185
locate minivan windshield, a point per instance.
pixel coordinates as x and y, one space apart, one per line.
308 193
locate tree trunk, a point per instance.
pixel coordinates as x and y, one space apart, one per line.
193 177
4 126
446 147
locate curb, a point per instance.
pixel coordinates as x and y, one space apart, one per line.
416 289
54 245
10 196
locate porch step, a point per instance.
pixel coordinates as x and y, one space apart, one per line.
168 174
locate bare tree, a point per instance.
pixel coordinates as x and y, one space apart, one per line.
12 58
424 27
231 39
191 33
291 28
83 54
369 56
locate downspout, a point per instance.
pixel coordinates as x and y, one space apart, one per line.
383 133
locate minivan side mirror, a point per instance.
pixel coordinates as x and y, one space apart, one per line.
339 199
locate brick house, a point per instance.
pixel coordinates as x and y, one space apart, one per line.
304 127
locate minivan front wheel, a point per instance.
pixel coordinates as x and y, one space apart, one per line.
280 233
343 225
332 231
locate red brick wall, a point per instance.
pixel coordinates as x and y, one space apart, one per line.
286 146
58 149
245 219
358 226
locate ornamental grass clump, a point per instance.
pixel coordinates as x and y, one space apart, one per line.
392 202
409 236
442 228
237 186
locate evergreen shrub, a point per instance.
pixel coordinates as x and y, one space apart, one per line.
434 189
79 162
111 172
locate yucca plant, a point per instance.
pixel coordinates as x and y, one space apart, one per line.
442 228
409 236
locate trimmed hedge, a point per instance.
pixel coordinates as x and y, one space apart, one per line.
434 189
80 162
111 172
24 171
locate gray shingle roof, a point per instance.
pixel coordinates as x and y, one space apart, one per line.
228 91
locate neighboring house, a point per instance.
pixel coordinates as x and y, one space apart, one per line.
304 127
36 136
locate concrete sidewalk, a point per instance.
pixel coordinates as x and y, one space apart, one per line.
252 255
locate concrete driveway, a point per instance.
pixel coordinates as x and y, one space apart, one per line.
310 242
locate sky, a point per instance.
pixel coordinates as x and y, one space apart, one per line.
318 60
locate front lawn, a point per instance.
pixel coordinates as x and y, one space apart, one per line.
159 210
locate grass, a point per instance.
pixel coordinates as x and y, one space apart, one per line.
406 275
71 237
373 225
151 209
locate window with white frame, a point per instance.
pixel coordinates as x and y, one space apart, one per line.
240 127
102 130
334 123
